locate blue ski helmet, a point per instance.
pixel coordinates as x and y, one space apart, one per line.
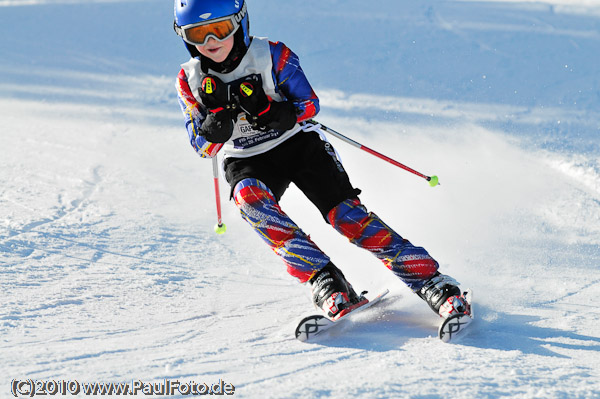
197 20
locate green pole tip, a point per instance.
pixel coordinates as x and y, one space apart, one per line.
433 181
220 228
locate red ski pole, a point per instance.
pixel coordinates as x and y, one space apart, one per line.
220 227
433 180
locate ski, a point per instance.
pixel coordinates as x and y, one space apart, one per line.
311 326
450 330
453 328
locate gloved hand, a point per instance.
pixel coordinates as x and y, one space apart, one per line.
261 111
215 95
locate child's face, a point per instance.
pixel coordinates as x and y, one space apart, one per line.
216 50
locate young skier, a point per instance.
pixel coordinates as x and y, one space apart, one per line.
248 97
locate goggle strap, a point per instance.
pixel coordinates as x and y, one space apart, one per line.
177 29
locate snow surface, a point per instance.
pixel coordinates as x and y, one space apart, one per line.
110 270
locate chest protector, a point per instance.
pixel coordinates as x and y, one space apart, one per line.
246 141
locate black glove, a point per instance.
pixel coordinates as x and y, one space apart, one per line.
217 128
216 97
261 111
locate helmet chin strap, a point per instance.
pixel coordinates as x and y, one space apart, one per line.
192 49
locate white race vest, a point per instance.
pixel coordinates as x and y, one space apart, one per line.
246 141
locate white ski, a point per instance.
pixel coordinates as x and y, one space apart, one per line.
454 326
450 330
311 326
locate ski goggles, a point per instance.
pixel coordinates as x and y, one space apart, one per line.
220 29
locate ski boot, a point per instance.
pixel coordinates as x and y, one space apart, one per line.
442 294
332 293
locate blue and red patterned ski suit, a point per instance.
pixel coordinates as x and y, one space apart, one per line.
303 258
260 208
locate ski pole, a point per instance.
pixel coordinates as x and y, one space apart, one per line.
220 227
433 180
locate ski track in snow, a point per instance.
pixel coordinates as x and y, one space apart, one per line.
109 267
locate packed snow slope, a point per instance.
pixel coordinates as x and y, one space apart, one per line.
109 267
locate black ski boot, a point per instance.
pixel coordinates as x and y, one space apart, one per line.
332 293
443 295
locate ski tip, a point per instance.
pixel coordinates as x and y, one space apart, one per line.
311 326
453 328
